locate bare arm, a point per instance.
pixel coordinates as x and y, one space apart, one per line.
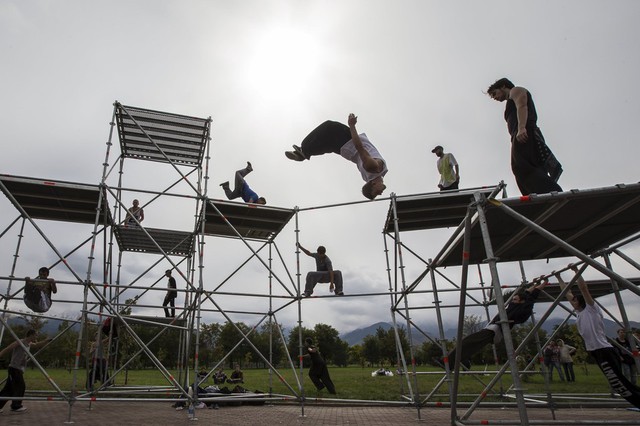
8 348
457 169
141 214
54 288
519 96
307 252
582 285
36 345
563 284
370 164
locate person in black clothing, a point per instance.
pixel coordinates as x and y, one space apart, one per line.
318 372
170 297
627 363
518 311
534 166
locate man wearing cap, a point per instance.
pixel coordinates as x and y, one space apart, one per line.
448 169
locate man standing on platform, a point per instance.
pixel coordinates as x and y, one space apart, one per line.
534 166
448 169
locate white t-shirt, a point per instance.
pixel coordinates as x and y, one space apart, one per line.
591 327
349 152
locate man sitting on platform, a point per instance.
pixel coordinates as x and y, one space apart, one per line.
324 273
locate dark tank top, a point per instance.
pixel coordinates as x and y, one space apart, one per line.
511 115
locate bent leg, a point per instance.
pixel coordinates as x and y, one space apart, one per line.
326 138
472 344
337 280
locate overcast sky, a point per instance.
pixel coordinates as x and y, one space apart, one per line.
268 72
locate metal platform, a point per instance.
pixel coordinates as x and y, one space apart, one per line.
252 221
589 220
433 210
181 138
133 238
55 200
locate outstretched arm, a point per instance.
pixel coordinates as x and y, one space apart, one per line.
563 285
372 165
307 252
582 285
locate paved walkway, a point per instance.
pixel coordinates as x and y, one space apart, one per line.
161 413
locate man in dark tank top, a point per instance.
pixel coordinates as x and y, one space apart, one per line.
534 166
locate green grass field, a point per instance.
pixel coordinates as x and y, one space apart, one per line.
351 382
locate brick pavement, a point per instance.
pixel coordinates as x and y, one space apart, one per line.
161 413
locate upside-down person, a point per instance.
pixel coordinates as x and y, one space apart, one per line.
590 324
337 138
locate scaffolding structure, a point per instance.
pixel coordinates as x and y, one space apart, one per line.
590 225
487 231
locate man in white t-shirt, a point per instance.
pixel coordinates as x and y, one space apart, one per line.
590 324
448 169
337 138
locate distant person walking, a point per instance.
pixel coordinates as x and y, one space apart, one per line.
241 189
170 297
590 324
448 169
534 166
14 386
324 273
337 138
318 372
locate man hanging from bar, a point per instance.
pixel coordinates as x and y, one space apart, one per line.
519 310
37 291
590 324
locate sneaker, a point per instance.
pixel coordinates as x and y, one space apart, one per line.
339 293
214 407
201 405
225 184
249 166
305 294
297 149
19 410
294 155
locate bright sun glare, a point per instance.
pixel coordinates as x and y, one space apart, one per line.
282 64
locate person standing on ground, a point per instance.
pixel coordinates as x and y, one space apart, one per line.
324 273
566 360
170 297
241 188
318 372
448 169
590 324
551 356
15 386
335 137
627 362
534 166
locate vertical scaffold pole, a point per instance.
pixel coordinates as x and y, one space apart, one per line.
504 320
